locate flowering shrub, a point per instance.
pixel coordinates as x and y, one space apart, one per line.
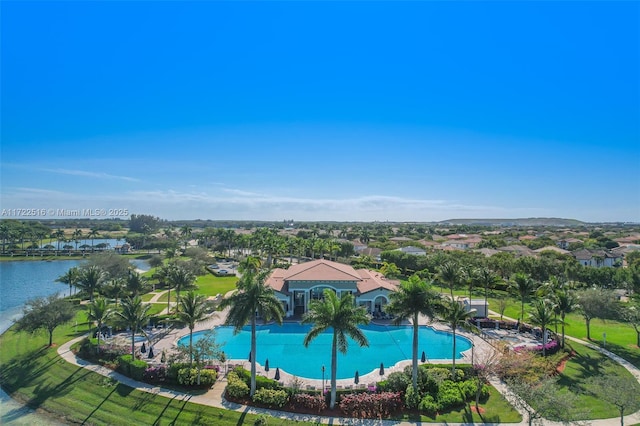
371 405
271 397
309 402
550 348
236 387
154 374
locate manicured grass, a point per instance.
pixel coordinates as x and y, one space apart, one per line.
496 410
621 337
156 308
36 375
210 285
586 364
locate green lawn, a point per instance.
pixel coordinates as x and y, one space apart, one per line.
621 337
36 375
210 285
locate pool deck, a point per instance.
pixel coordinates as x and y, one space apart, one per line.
215 396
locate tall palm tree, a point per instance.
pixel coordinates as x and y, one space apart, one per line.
91 278
135 315
180 279
455 315
59 236
565 302
186 232
252 297
450 275
193 309
77 235
523 286
114 288
99 312
71 277
135 283
343 317
487 278
250 265
412 298
93 234
543 316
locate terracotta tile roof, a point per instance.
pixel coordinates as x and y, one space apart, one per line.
372 280
321 270
326 270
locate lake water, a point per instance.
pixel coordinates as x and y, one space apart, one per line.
21 281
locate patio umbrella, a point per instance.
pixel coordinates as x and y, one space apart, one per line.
381 369
277 375
163 357
266 365
424 357
356 379
151 354
249 356
143 349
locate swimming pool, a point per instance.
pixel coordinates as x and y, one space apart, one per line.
282 346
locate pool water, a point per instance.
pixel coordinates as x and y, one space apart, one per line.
283 347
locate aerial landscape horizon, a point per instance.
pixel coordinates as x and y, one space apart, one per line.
367 111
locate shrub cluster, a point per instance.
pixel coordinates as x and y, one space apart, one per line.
271 397
261 381
155 374
189 377
371 405
133 368
236 387
310 402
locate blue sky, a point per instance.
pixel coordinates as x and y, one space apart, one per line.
360 111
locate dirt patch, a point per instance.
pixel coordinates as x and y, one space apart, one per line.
563 362
478 410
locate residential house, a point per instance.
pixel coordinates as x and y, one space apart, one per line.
417 251
597 257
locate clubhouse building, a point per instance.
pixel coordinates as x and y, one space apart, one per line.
304 282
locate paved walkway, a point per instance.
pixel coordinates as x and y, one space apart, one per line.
214 397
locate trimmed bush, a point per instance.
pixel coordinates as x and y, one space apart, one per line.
189 377
134 369
271 397
236 387
154 374
449 395
371 405
429 405
310 402
396 382
261 381
411 398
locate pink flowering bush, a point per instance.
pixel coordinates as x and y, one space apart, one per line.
371 405
309 402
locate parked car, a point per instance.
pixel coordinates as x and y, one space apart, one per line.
214 266
222 272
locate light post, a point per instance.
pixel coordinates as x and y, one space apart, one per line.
473 346
323 380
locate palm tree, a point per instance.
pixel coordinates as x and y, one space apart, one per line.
252 297
71 277
135 315
523 286
114 288
250 265
543 316
343 317
93 234
58 235
99 312
186 232
455 315
413 297
91 278
77 235
565 302
193 309
487 278
135 283
180 278
450 275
